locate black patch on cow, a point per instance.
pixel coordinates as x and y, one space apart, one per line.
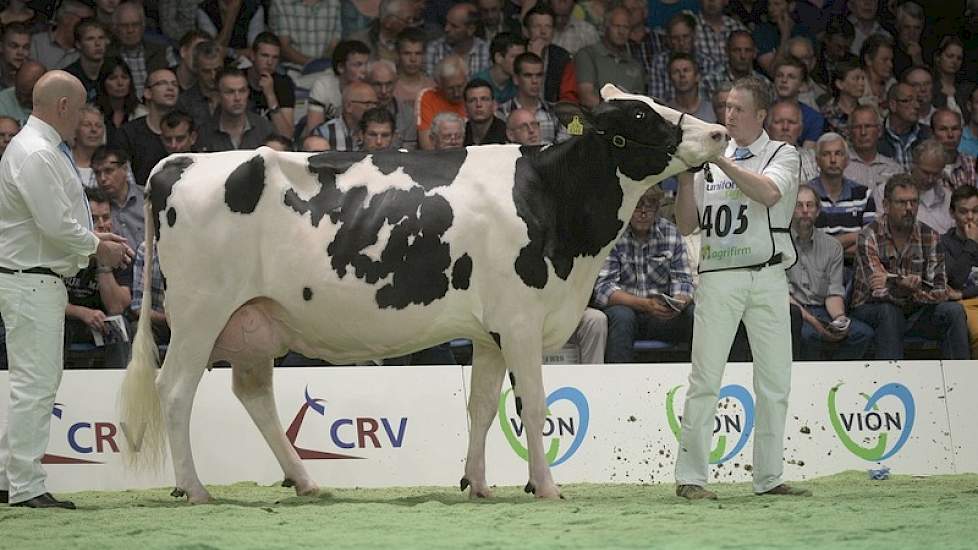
161 185
498 340
244 186
171 216
461 272
569 194
415 258
307 294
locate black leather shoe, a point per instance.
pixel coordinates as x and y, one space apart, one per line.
46 501
4 497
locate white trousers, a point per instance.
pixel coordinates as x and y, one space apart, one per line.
723 299
33 310
591 336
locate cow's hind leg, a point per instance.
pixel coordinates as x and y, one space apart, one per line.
488 369
523 355
252 384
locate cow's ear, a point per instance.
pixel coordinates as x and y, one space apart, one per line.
574 118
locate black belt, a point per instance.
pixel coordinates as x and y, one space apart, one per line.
775 260
31 270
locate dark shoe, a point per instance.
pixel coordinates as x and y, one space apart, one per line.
787 490
4 497
46 501
694 492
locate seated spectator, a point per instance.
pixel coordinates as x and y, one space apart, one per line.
447 131
17 101
866 165
572 33
140 138
89 136
116 96
450 78
55 48
789 74
314 144
491 19
341 131
921 80
381 36
326 95
817 287
272 94
876 56
378 130
927 175
969 137
608 62
104 10
713 27
382 76
740 62
411 78
800 47
679 38
950 87
201 100
16 12
844 205
901 129
142 56
865 18
160 324
178 131
459 40
959 168
643 43
278 142
848 83
111 168
483 126
309 30
96 293
685 78
784 124
528 72
15 48
773 33
233 125
505 48
91 39
909 28
718 99
184 69
523 128
900 285
8 129
646 285
560 80
591 337
835 49
960 248
234 24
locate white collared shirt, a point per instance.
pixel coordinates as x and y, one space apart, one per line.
44 219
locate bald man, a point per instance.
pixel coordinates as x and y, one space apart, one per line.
15 101
46 233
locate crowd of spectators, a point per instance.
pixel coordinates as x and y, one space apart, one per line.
879 97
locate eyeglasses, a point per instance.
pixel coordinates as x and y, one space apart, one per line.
368 103
107 169
647 206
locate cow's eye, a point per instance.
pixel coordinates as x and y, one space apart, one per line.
639 115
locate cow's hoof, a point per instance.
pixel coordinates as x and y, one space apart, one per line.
288 483
530 489
480 494
552 493
202 498
177 493
307 489
463 484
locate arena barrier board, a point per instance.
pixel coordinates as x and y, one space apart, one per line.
406 426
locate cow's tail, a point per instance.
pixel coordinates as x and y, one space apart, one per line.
139 403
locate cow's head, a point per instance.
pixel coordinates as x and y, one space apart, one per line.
649 140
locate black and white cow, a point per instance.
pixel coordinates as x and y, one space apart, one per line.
355 256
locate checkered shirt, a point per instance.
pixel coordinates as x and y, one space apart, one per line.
156 282
476 60
311 29
713 43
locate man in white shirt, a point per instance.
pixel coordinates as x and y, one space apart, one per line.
742 204
45 234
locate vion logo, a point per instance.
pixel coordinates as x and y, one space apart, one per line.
873 422
734 419
343 432
93 438
566 429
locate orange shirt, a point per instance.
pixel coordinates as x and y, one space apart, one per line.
431 102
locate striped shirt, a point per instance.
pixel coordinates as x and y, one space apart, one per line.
712 42
854 208
339 136
877 252
550 129
961 172
156 281
656 264
477 59
311 28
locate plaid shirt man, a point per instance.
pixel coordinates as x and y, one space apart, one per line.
877 252
476 60
660 86
961 172
156 282
137 66
714 43
550 129
311 28
656 264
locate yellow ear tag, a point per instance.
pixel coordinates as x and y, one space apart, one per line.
576 127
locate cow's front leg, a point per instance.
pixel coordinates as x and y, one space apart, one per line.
488 369
523 357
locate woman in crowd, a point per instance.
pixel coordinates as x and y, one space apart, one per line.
949 90
116 95
876 56
848 85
